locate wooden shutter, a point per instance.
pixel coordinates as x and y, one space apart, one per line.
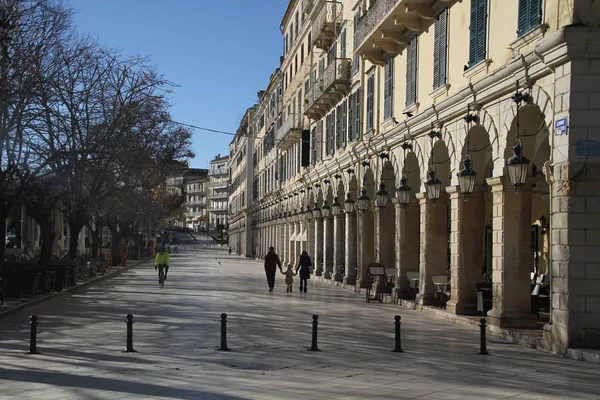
338 127
344 121
357 116
530 15
523 16
440 49
305 152
350 117
478 33
320 140
411 72
343 44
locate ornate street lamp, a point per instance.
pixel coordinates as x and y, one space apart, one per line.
466 178
336 207
326 210
517 166
348 203
382 196
316 211
433 186
363 201
403 192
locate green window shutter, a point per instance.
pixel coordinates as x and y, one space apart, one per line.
411 72
388 89
530 15
478 34
357 116
440 49
344 121
338 127
370 102
350 117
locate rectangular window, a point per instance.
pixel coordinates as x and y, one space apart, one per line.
292 35
296 20
343 44
309 43
530 15
307 84
370 101
313 145
351 101
411 72
302 54
388 90
287 42
357 116
319 140
440 49
478 31
338 128
344 121
355 57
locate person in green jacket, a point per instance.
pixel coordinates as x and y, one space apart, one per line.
161 263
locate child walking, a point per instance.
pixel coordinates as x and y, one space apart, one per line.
289 277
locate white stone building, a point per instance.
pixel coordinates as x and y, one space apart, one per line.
218 192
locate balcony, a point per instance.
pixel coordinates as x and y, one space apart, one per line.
388 25
326 25
290 131
215 209
214 196
329 89
219 184
218 171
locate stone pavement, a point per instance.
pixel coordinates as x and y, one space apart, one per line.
176 332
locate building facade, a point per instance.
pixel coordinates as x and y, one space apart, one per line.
451 139
218 193
241 158
197 213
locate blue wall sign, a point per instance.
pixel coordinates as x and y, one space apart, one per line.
561 126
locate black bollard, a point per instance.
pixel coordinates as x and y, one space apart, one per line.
398 348
33 335
224 333
129 348
482 349
313 346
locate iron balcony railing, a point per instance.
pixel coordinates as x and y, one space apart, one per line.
372 19
324 24
338 71
218 171
293 122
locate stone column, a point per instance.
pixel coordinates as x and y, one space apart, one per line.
310 240
466 249
384 248
434 244
318 249
407 243
328 244
338 245
511 255
350 247
366 236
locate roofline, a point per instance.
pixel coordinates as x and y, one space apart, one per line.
287 14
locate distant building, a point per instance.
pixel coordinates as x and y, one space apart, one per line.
218 193
190 183
240 191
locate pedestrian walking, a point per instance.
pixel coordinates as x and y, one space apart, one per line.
271 263
289 277
304 266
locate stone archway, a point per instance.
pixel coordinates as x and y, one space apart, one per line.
339 229
328 233
520 218
350 229
471 222
435 255
407 230
366 234
385 218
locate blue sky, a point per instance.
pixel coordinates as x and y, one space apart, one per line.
220 53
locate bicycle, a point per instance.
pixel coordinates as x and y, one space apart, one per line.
161 276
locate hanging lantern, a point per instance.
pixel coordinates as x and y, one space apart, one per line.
403 192
363 201
316 211
433 186
382 196
466 178
336 207
517 166
326 210
348 203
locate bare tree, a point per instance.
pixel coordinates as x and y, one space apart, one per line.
29 31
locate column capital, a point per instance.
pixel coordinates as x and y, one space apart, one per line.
422 196
501 183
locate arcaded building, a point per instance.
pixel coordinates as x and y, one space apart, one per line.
456 142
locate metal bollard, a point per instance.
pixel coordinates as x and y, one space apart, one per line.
129 348
482 349
224 333
313 346
33 335
398 348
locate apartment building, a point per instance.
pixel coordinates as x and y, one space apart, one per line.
451 141
241 151
218 193
197 214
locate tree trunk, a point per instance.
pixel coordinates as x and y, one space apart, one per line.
3 247
115 246
47 236
75 227
95 239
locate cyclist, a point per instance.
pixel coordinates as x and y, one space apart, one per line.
161 263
